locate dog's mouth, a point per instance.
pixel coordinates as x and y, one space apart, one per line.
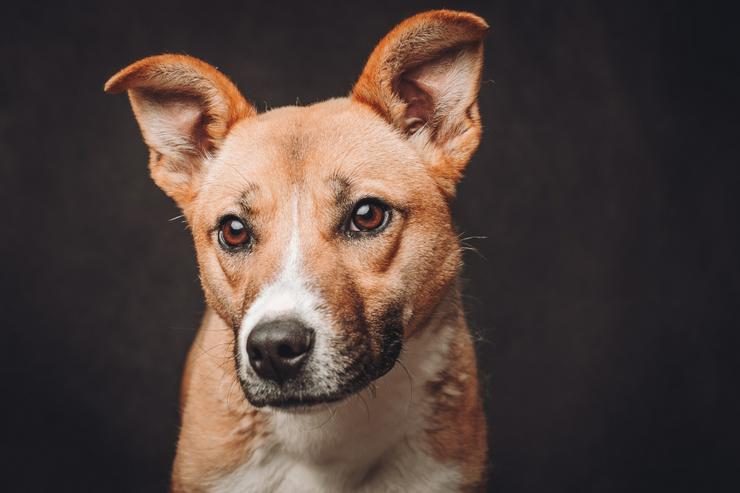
296 400
310 390
306 403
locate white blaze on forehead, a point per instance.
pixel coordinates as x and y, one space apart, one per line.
286 296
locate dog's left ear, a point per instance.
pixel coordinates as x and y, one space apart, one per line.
423 78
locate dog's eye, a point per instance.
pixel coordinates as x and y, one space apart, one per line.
368 215
233 233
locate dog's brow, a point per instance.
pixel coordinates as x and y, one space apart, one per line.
342 188
247 196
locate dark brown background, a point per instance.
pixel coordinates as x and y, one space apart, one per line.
605 295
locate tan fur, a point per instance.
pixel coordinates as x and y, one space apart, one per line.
219 427
412 44
184 81
224 158
458 413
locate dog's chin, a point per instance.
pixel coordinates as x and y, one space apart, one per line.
306 406
298 404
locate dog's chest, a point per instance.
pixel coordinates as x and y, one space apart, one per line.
406 468
371 445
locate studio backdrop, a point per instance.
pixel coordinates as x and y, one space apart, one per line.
598 216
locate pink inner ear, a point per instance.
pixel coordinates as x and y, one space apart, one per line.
182 116
424 87
189 119
174 124
419 104
436 87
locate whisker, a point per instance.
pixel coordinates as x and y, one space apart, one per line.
206 352
228 395
367 408
411 385
244 178
467 247
471 237
227 359
331 412
372 389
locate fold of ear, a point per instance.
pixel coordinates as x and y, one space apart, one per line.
185 109
423 78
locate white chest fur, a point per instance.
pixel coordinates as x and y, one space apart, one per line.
367 443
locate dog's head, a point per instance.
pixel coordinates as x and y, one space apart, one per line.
323 233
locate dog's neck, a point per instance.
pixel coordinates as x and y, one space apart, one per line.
343 443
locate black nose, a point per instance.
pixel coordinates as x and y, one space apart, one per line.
278 349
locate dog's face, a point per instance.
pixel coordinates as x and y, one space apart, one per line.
323 233
345 234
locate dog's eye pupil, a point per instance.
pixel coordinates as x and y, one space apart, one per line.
368 216
233 233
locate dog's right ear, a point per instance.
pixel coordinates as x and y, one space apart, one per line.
184 108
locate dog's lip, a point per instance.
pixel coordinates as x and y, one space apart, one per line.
303 409
312 402
305 403
287 402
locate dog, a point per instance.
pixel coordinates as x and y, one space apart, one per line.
334 354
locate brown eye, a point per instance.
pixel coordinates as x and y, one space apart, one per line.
232 233
368 215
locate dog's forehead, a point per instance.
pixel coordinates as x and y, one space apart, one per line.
313 144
